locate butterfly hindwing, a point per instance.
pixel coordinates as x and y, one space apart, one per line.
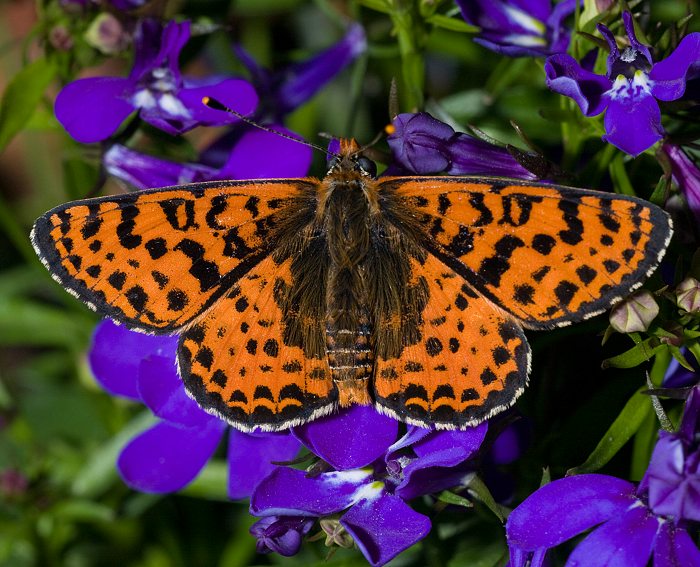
549 255
237 362
155 260
470 359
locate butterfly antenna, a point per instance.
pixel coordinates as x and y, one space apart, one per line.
216 105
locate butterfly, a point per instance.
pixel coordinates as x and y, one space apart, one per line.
293 297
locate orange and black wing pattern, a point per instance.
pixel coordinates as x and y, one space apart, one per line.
238 361
470 360
549 255
156 260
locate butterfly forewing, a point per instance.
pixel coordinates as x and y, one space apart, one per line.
155 260
549 255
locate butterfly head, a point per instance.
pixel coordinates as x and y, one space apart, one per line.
350 158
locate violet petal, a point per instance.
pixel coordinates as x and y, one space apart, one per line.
163 392
468 441
626 540
560 34
633 124
432 473
419 143
165 458
628 21
384 526
282 535
289 492
146 172
674 547
471 156
673 480
588 500
116 354
147 42
691 416
413 435
235 94
250 459
92 109
303 80
351 438
668 77
435 468
265 155
565 76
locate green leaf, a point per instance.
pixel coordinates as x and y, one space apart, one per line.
635 356
24 322
377 5
477 488
210 483
22 96
451 498
453 24
618 173
82 511
625 425
100 471
643 444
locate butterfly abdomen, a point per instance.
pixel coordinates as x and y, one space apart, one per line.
348 325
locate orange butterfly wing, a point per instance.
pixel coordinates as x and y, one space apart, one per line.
155 260
238 361
549 255
470 362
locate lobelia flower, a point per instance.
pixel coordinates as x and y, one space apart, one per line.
422 144
374 476
678 376
92 109
170 454
629 91
249 158
244 153
281 534
686 175
631 523
286 89
520 27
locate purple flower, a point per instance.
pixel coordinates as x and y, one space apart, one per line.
630 522
520 27
371 499
92 109
244 152
249 158
630 89
687 175
284 90
423 145
169 455
281 534
678 376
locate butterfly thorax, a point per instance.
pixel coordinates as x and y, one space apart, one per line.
349 202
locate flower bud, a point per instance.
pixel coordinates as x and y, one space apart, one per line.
60 38
688 295
336 535
106 34
635 314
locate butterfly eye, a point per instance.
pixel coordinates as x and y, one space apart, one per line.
367 166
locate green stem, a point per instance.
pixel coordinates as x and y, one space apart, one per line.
411 38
